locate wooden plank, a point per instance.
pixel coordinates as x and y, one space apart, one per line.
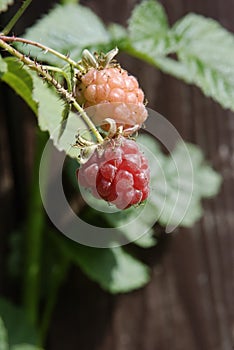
188 305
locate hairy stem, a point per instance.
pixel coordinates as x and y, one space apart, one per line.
68 97
16 17
44 48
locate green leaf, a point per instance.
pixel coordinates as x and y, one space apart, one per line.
25 347
178 184
50 111
4 4
148 29
136 227
147 240
207 52
20 80
78 28
177 190
114 269
135 223
3 336
69 73
151 39
118 33
18 327
172 67
206 181
3 66
63 122
45 103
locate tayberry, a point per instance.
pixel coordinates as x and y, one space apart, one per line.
111 92
117 172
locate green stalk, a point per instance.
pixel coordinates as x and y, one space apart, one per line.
33 239
16 17
58 274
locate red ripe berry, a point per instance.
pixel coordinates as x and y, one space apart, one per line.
112 92
118 173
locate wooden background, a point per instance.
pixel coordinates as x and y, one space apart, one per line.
189 304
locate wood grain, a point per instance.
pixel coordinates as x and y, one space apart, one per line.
189 304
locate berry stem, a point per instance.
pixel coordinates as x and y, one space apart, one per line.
16 17
33 65
88 121
44 48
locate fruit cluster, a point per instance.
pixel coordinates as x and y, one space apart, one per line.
116 170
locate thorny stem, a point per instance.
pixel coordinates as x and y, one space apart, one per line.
16 17
44 48
60 71
33 65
